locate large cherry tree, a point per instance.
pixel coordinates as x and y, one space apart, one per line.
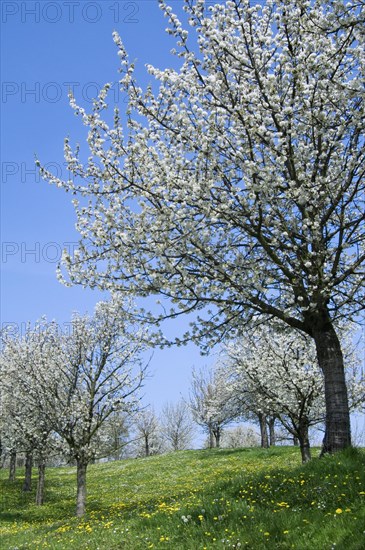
235 182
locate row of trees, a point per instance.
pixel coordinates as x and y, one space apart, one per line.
65 391
174 429
76 394
233 186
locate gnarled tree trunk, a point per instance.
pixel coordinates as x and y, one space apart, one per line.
40 485
12 466
271 423
27 485
263 430
146 445
330 359
81 487
303 437
217 436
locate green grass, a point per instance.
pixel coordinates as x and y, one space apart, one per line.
247 498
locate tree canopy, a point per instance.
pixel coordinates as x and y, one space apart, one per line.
238 183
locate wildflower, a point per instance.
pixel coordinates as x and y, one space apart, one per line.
339 511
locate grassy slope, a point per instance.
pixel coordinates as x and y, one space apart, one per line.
247 498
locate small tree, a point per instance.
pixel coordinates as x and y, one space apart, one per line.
279 370
245 404
28 415
98 372
148 432
209 403
113 437
176 425
240 436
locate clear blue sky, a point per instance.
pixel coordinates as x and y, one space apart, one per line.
48 47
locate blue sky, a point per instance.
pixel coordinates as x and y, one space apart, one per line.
48 47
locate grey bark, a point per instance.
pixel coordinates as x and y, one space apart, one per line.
27 485
217 436
40 484
271 423
330 359
146 445
304 444
81 487
12 466
263 431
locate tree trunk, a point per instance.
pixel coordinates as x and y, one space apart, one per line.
304 443
263 431
27 485
211 439
81 487
146 445
217 436
40 485
330 359
295 441
12 466
271 422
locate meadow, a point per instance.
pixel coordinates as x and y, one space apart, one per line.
196 500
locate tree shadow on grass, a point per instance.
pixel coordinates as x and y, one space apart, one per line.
319 480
